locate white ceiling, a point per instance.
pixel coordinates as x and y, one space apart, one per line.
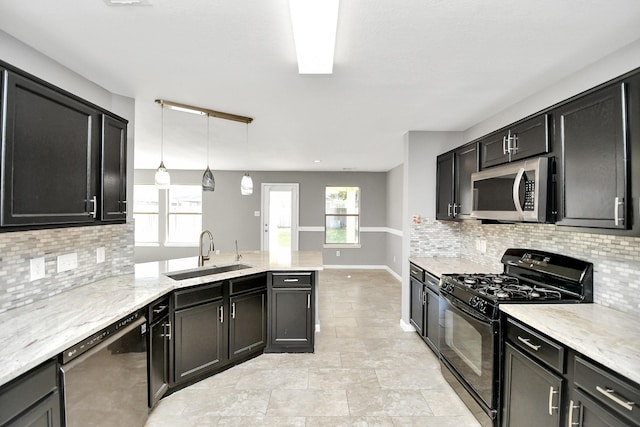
399 66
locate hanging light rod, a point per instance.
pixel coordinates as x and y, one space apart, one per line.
203 111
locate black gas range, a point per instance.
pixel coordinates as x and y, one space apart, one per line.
470 332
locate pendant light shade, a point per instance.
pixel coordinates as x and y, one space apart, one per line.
162 178
246 184
208 181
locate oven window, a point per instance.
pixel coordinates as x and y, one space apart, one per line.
465 341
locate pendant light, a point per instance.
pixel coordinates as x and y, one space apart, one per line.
208 181
163 179
246 184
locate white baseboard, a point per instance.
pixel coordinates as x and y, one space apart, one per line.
406 326
363 267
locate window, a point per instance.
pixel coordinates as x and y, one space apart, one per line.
342 216
167 217
184 220
146 213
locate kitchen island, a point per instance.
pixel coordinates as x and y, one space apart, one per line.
37 332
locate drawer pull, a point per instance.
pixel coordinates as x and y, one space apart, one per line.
160 309
611 394
415 272
291 280
551 393
527 342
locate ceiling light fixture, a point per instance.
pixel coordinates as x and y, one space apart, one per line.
314 24
162 178
246 184
208 181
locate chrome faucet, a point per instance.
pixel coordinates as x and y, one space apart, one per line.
238 256
203 258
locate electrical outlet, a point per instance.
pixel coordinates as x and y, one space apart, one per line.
37 268
67 262
394 259
100 255
337 253
256 213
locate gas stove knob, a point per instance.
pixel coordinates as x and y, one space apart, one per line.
474 301
482 306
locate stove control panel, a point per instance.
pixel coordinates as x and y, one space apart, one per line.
536 259
479 304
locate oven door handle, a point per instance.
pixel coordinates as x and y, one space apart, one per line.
468 312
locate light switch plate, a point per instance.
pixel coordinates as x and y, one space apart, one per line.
256 213
67 262
37 268
100 255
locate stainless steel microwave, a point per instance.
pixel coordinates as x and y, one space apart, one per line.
515 192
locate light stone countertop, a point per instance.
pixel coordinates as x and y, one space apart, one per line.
444 265
40 331
609 337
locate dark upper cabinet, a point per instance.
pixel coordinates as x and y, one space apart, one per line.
594 190
64 159
50 156
525 139
114 169
453 187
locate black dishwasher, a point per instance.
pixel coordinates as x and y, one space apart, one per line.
104 377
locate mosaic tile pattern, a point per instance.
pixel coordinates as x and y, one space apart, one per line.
18 248
435 238
616 259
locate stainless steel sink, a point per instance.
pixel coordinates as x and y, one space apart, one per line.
207 271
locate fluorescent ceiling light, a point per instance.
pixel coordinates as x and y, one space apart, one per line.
314 25
186 110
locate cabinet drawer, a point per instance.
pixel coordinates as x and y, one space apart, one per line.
18 396
158 309
197 295
291 280
614 392
537 345
416 272
247 284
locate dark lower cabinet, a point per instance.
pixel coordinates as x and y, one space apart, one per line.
248 317
291 312
158 349
199 340
532 392
594 170
32 400
600 397
425 306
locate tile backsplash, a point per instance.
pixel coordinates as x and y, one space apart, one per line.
17 249
616 259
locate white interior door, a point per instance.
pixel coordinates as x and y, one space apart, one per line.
279 217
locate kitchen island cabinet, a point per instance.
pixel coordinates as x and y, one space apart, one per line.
248 316
291 312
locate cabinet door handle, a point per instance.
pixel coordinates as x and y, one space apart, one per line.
617 219
449 210
233 310
551 393
611 394
124 205
308 301
527 342
94 210
222 314
505 150
455 206
424 297
291 280
572 408
167 326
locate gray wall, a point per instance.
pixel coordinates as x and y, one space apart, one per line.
395 191
230 216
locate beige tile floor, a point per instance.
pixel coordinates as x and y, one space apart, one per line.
365 372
